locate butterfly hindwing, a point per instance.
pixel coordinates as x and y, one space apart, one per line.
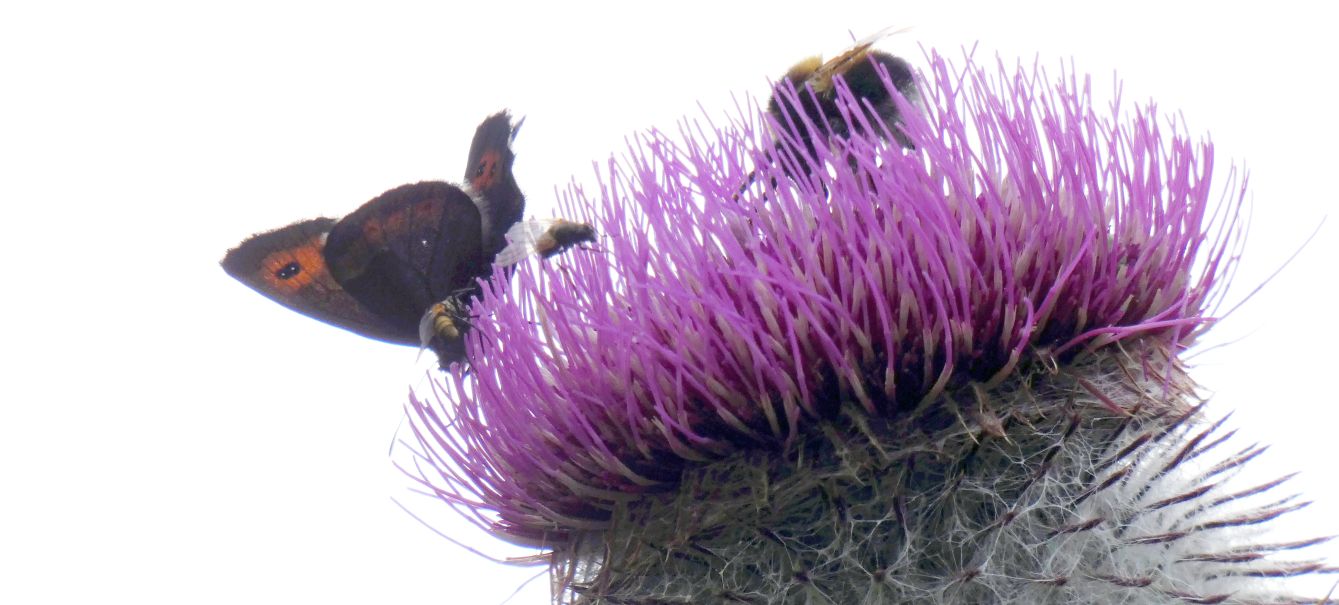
406 250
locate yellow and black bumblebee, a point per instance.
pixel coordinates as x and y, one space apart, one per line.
816 98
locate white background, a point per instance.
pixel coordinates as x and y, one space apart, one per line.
168 436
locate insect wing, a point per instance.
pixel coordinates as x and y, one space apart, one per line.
406 250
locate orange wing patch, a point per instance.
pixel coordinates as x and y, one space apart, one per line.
485 172
291 270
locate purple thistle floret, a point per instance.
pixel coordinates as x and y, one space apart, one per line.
749 288
731 302
933 361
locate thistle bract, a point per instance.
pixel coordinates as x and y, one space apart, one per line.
931 365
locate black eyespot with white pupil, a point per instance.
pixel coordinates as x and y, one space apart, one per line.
289 271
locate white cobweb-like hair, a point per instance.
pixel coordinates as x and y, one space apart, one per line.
1096 482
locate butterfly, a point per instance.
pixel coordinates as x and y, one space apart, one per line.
403 267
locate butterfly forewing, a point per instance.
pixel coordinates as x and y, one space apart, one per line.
287 266
489 173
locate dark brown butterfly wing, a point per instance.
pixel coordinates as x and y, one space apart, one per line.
286 265
408 249
489 173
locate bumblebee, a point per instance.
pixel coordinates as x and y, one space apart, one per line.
815 93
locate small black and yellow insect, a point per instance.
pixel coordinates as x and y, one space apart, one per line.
815 95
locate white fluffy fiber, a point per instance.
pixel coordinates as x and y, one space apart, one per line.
1035 491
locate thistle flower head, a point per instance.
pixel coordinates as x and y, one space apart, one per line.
747 293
